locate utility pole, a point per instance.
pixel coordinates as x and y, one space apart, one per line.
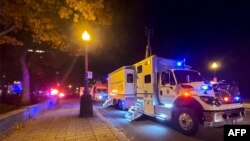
149 33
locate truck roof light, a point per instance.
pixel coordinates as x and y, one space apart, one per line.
179 64
237 98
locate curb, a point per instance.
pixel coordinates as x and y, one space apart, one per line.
14 119
118 133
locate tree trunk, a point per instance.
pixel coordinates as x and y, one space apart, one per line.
26 81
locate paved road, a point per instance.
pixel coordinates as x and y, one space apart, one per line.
62 123
150 129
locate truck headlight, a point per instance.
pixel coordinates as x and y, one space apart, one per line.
210 100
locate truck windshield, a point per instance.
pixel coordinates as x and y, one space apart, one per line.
187 76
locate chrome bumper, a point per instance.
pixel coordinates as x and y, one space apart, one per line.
220 118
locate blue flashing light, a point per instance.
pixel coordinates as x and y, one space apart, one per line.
237 98
179 64
204 87
16 88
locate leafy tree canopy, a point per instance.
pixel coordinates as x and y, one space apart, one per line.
57 22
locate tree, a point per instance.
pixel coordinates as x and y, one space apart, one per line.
54 22
51 21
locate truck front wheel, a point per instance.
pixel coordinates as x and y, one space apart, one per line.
186 121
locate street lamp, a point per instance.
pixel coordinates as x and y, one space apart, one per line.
214 67
86 109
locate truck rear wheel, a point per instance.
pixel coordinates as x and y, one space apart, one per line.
115 101
120 104
186 121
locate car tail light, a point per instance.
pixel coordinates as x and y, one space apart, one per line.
54 92
61 95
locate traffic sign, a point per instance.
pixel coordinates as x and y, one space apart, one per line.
89 74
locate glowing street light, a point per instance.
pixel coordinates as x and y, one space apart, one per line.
214 67
86 107
85 36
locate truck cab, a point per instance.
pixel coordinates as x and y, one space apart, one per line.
193 100
177 82
99 92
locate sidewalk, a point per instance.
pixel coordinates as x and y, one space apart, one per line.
63 124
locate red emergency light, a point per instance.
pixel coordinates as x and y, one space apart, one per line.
54 92
61 95
226 99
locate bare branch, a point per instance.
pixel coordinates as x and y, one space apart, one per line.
7 30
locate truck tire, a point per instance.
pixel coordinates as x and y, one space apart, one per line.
120 105
116 103
186 121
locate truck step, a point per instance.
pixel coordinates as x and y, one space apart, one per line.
107 103
133 115
138 104
134 112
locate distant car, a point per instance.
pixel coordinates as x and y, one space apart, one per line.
58 94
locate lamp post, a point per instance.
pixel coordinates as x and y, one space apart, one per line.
214 67
57 79
86 109
70 86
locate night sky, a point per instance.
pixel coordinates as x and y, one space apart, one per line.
200 31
